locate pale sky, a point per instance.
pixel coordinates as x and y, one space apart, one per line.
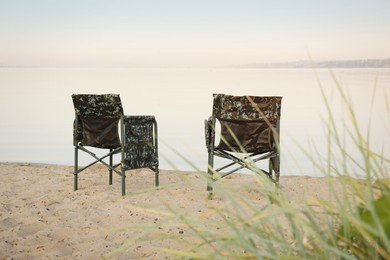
175 33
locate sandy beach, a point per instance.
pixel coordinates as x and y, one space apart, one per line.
42 217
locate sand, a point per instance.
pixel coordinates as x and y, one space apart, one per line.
42 217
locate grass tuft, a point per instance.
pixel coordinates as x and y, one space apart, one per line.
351 224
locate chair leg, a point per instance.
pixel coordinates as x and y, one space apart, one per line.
210 177
110 170
210 185
76 166
157 172
271 168
123 183
75 181
275 166
277 169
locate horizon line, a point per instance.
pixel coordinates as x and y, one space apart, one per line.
347 63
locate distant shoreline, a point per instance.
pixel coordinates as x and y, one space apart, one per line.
304 64
365 63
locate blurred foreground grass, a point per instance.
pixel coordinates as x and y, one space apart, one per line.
352 223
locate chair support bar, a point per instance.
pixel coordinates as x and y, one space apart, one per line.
117 150
240 161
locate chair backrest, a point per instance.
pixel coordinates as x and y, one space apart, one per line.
247 122
139 142
98 106
97 118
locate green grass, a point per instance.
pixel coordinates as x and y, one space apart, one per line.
353 224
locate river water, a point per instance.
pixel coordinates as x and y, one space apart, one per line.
37 111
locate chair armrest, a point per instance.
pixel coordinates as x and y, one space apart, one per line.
209 132
77 131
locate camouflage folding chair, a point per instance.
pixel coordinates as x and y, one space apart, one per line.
250 128
96 125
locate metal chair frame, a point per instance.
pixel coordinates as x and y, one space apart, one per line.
239 157
121 167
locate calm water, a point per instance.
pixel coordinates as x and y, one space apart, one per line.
37 110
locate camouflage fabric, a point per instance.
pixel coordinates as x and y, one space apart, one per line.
240 107
98 117
243 126
98 106
140 145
